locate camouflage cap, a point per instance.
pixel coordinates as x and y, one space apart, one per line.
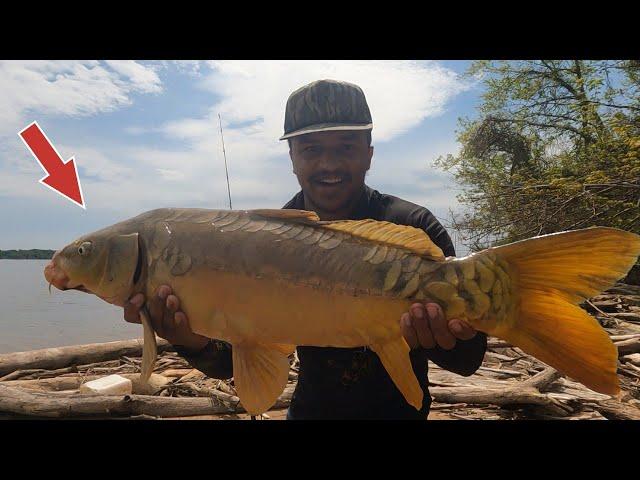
326 105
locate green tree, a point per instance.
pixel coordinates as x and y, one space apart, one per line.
556 147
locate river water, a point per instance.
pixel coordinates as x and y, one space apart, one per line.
31 318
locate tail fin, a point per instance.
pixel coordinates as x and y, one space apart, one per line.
551 275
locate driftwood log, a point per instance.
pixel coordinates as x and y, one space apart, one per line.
57 384
625 347
548 393
527 392
64 405
63 357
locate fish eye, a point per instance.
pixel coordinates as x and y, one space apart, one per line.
84 249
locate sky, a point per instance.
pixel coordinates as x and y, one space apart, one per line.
146 135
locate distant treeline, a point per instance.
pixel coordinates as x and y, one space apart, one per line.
33 254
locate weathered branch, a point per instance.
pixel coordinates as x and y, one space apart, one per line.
62 357
527 392
625 347
615 410
506 396
545 125
60 405
543 379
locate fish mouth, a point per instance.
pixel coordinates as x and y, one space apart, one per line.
80 288
58 278
55 276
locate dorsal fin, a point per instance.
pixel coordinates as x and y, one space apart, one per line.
288 214
399 236
407 237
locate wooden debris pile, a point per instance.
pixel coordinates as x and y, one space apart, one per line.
513 385
53 392
509 385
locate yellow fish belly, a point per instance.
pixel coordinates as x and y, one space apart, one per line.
233 307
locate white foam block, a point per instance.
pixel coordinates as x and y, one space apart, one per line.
110 385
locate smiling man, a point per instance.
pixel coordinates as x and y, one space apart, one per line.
328 126
331 167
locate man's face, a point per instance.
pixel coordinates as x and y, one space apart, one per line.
331 166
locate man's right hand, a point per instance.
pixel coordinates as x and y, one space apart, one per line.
168 321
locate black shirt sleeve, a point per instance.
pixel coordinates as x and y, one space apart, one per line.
215 360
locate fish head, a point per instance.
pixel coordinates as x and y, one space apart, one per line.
104 263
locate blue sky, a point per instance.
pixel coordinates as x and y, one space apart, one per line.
145 135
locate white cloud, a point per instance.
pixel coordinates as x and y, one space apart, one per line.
189 67
253 95
400 94
73 88
170 174
141 78
96 164
191 129
67 88
128 178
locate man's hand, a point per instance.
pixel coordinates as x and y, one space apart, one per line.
425 325
166 318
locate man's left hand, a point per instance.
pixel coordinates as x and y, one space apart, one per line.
425 325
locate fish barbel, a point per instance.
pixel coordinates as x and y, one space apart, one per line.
267 281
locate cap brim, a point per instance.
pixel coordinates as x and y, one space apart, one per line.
327 127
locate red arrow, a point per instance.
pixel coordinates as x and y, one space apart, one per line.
61 177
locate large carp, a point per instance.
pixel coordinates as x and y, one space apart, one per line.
269 280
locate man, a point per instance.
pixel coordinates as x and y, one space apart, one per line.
328 126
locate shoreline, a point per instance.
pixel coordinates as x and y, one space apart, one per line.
27 254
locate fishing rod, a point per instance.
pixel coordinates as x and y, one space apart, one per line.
224 153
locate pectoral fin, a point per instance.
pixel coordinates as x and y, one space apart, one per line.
394 355
260 374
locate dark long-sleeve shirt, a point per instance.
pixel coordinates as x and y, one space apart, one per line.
352 382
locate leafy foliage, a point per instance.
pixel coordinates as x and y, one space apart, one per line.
556 147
